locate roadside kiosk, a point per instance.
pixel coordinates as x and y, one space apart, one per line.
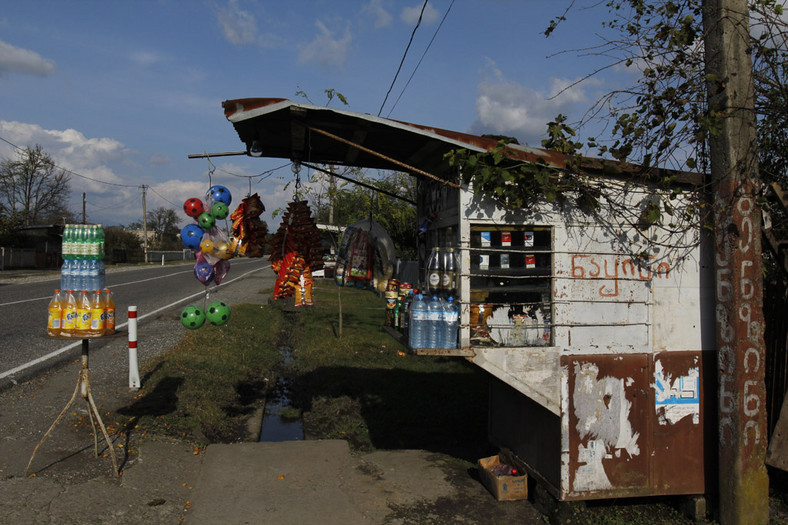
598 330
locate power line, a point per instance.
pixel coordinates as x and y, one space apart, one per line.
71 172
162 196
422 58
418 23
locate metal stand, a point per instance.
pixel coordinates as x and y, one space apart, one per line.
83 388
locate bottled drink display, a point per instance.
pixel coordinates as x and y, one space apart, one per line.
83 254
81 314
418 322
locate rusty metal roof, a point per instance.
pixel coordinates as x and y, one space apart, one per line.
281 128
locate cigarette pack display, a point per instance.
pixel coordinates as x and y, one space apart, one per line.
506 238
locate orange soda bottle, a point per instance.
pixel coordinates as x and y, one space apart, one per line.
83 314
109 311
98 317
55 316
69 325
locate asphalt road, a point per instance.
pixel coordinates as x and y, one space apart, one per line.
157 292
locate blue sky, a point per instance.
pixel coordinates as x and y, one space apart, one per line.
123 92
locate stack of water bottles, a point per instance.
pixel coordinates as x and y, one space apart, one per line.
433 322
83 254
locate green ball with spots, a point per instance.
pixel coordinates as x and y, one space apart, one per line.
220 211
218 313
192 317
206 220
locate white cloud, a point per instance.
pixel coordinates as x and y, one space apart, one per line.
376 10
326 48
146 58
508 108
239 27
17 60
410 15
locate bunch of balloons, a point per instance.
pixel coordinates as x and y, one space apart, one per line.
213 252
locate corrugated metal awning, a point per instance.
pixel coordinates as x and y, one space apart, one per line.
281 128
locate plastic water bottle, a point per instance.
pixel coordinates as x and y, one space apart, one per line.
100 238
109 312
69 325
83 274
98 314
451 321
102 274
96 274
434 318
418 322
55 314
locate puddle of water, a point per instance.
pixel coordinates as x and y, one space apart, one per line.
278 424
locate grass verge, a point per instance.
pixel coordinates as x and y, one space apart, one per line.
362 386
205 388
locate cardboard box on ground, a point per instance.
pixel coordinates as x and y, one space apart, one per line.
504 488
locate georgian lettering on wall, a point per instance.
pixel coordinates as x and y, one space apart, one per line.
611 269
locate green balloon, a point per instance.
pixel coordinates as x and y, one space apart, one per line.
220 210
192 317
206 220
218 313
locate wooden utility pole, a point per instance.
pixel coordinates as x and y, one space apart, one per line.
743 480
144 226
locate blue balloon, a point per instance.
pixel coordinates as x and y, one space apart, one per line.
203 271
191 235
220 194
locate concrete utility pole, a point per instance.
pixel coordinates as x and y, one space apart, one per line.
743 480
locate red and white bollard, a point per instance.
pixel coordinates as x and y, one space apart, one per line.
134 371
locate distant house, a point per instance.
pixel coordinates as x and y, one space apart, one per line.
42 248
151 235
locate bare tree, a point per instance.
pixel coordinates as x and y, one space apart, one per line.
33 188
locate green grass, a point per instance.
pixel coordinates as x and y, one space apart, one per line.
365 388
205 388
362 387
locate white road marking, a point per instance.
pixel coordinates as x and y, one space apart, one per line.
140 318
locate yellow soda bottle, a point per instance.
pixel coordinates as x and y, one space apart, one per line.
55 317
83 314
98 317
109 309
69 326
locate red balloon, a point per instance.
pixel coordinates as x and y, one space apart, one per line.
220 269
193 207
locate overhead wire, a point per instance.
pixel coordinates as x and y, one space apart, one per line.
418 23
72 172
420 59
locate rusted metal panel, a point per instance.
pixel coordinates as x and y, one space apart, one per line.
605 413
678 459
635 425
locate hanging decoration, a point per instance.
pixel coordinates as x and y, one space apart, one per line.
367 257
213 251
296 250
248 232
